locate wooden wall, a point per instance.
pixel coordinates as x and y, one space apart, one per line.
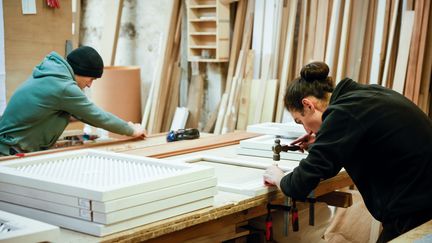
28 38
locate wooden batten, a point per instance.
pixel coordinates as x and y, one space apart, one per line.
403 51
389 56
409 91
287 71
367 44
334 37
421 57
344 41
245 93
160 88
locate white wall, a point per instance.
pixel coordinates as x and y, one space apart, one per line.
142 24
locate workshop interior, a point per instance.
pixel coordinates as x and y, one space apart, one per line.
226 121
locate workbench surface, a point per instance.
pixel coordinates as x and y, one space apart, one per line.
230 207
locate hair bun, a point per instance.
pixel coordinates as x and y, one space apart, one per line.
315 71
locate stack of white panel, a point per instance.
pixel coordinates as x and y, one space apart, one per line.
101 193
262 147
286 130
14 228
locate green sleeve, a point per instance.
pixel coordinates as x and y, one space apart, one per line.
75 102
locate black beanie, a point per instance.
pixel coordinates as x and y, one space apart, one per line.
86 61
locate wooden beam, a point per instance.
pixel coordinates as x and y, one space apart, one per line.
337 199
344 41
287 71
390 42
403 51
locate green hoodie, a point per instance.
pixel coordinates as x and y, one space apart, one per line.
39 110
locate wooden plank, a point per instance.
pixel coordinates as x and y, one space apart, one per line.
284 29
425 91
245 97
113 13
403 51
366 55
334 37
390 42
287 71
337 199
321 30
356 40
195 97
301 43
310 37
270 95
160 88
378 39
230 118
423 35
257 37
236 42
409 91
189 146
344 41
235 49
276 39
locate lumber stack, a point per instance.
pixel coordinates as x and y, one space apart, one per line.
384 42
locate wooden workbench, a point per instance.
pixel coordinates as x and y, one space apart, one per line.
218 222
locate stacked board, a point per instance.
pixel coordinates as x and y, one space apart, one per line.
101 193
14 228
262 147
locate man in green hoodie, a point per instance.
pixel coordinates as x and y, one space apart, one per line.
40 109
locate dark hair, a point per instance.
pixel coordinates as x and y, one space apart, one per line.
313 81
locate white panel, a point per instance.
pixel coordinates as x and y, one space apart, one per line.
288 130
269 154
262 147
112 217
242 177
100 229
14 228
98 175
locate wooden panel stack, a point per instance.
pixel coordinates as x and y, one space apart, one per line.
363 40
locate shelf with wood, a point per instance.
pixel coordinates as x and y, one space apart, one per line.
208 30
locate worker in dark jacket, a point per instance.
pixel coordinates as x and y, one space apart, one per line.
40 109
382 139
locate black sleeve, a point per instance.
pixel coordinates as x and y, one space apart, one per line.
336 140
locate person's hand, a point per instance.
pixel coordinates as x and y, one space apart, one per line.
139 130
304 141
273 175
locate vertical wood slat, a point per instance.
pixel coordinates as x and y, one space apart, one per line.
421 55
287 62
414 51
344 40
160 88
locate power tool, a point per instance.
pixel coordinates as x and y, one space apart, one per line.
183 134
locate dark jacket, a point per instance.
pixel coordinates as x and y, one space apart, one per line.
40 108
383 141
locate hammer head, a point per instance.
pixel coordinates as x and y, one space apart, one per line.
277 148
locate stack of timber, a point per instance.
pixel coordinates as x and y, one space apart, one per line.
384 42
